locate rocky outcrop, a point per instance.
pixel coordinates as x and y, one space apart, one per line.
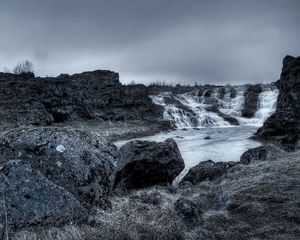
284 125
79 162
262 153
144 164
207 170
25 99
251 95
28 198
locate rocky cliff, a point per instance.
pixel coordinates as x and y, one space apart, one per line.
89 95
284 125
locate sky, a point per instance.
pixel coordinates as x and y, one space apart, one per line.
176 41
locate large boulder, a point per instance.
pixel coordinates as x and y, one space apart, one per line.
262 153
284 125
144 164
80 162
28 198
207 170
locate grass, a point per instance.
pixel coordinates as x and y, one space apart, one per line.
255 201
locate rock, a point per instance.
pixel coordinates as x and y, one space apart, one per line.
144 164
284 125
30 199
188 211
251 95
262 153
98 94
210 101
227 118
207 170
80 162
207 138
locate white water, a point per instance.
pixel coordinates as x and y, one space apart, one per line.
194 124
198 116
225 144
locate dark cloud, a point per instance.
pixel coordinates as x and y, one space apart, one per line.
230 41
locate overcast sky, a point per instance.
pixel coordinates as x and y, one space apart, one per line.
184 41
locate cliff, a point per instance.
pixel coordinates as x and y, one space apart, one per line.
89 95
284 125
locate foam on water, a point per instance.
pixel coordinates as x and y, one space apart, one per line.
198 116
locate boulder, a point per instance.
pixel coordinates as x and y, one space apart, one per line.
80 162
28 198
284 125
144 164
262 153
207 170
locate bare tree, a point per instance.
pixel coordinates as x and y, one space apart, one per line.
23 67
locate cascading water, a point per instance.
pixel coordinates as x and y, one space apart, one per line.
195 110
267 104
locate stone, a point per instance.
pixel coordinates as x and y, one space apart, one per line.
262 153
144 164
28 198
207 170
188 211
80 162
251 96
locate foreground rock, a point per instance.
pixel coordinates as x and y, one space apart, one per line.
79 162
30 199
284 125
144 164
262 153
207 170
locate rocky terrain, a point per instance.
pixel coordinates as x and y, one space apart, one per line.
25 99
59 180
284 125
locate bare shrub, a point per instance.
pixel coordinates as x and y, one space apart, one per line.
23 67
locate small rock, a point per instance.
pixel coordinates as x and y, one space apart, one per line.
207 170
188 211
262 153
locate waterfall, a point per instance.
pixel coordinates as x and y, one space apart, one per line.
267 104
194 109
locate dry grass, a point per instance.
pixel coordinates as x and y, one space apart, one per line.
256 201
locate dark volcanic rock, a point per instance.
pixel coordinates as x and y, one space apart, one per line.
284 125
29 198
262 153
144 164
251 95
89 95
207 170
81 163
